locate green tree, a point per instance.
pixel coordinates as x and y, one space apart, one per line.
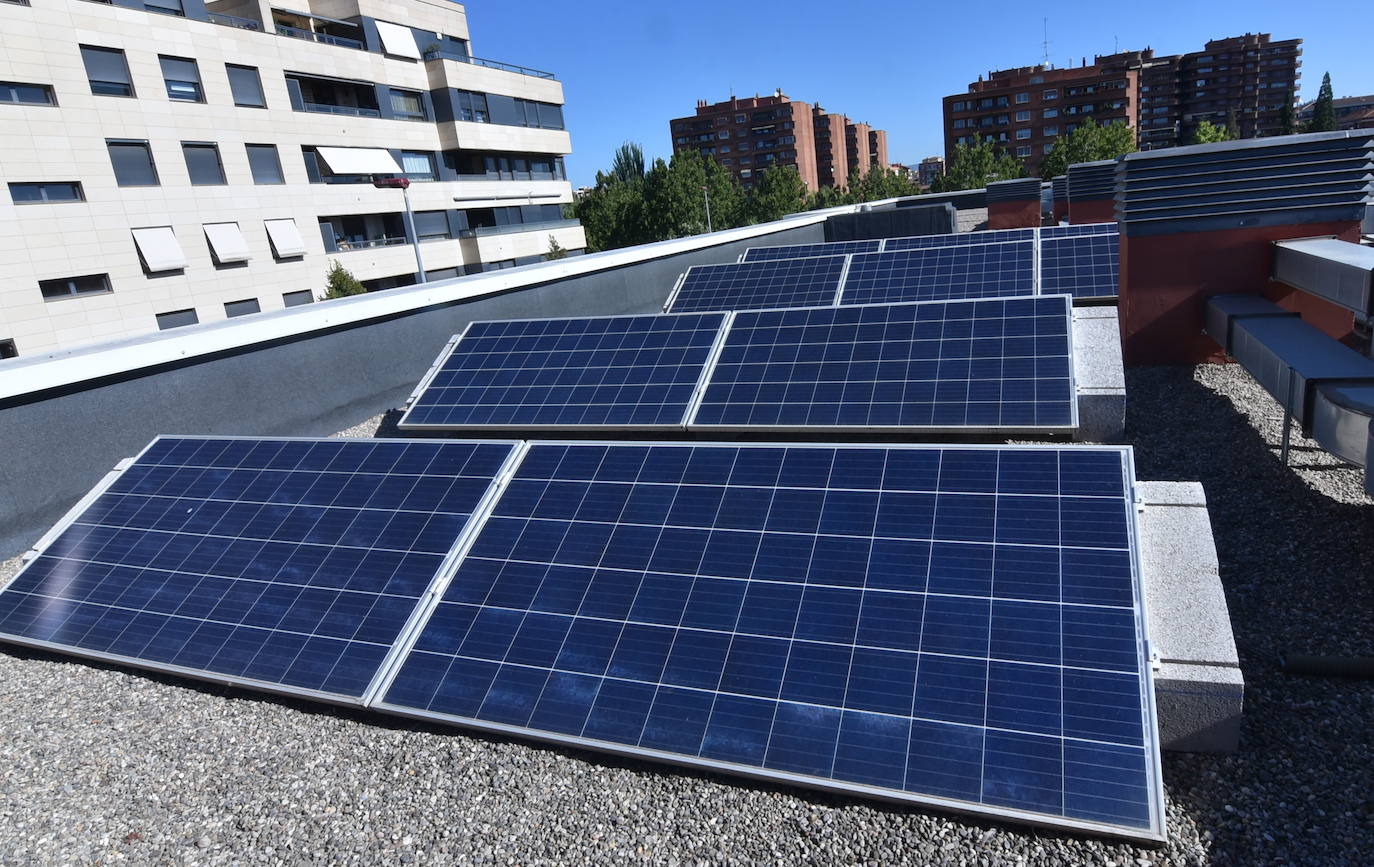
975 166
1287 126
1232 125
340 282
675 196
880 183
827 197
780 191
1324 110
612 213
1208 132
1089 142
628 163
556 250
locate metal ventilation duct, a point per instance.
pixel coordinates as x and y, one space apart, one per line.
1091 182
1339 271
1061 188
1018 190
1251 183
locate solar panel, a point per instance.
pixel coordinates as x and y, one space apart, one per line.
939 274
801 251
961 239
943 365
618 371
950 626
1085 266
1049 232
753 285
288 565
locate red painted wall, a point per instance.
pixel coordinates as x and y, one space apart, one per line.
1166 280
1014 215
1061 211
1095 211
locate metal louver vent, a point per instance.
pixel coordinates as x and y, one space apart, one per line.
1091 182
1018 190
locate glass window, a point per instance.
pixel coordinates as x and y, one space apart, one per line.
241 308
432 225
472 107
1049 147
203 163
1022 98
418 165
176 319
1023 151
70 287
1050 131
246 86
28 94
739 118
166 7
265 164
1050 112
1050 94
182 78
407 104
550 115
133 163
63 191
1022 116
107 71
7 347
1023 134
296 299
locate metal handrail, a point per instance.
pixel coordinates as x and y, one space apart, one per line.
450 54
483 231
352 111
312 36
235 21
345 245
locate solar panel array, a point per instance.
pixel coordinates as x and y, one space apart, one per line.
961 239
1084 266
801 251
620 371
941 273
1003 363
1079 230
931 624
758 285
291 565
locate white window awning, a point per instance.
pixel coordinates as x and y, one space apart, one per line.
227 243
358 161
285 237
398 40
160 249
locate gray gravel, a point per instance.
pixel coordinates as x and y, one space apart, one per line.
103 765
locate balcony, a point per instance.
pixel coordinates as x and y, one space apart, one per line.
332 96
362 232
517 228
347 110
317 28
311 35
234 21
461 57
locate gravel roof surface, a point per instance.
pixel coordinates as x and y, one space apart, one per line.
106 765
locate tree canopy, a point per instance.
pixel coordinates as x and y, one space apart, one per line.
1089 142
975 166
1208 132
1324 110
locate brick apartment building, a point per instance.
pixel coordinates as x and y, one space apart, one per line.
748 135
1352 112
1023 110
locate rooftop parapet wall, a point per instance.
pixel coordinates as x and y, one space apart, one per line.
1200 221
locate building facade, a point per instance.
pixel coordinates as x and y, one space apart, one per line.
1023 110
183 161
1352 112
929 169
748 135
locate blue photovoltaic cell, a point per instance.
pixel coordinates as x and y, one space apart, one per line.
1084 266
285 563
941 274
997 363
808 282
620 371
1050 232
960 239
925 622
800 251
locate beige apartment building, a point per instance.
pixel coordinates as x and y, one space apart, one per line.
166 162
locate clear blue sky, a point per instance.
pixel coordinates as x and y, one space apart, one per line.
629 67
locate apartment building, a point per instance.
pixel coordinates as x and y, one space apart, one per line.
1023 110
1352 112
748 135
929 169
166 162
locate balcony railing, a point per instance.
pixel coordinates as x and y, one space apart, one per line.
350 110
450 54
513 176
343 245
235 21
518 228
312 36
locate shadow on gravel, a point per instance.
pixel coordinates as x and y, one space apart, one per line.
1297 567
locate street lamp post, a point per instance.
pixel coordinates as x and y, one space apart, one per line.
706 191
403 184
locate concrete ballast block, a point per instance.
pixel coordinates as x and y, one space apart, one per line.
1099 375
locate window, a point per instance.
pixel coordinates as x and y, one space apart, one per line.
1023 134
285 236
72 287
227 244
744 173
133 163
1050 94
739 118
176 319
472 107
107 71
245 85
1050 131
1003 120
959 106
1022 98
432 226
1049 147
1022 116
985 103
242 308
408 105
159 250
182 78
296 299
57 191
959 124
264 164
1050 112
418 165
203 163
165 7
723 134
725 149
26 94
1001 102
1023 151
8 349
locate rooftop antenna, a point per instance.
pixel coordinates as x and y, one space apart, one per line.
1116 45
1045 45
